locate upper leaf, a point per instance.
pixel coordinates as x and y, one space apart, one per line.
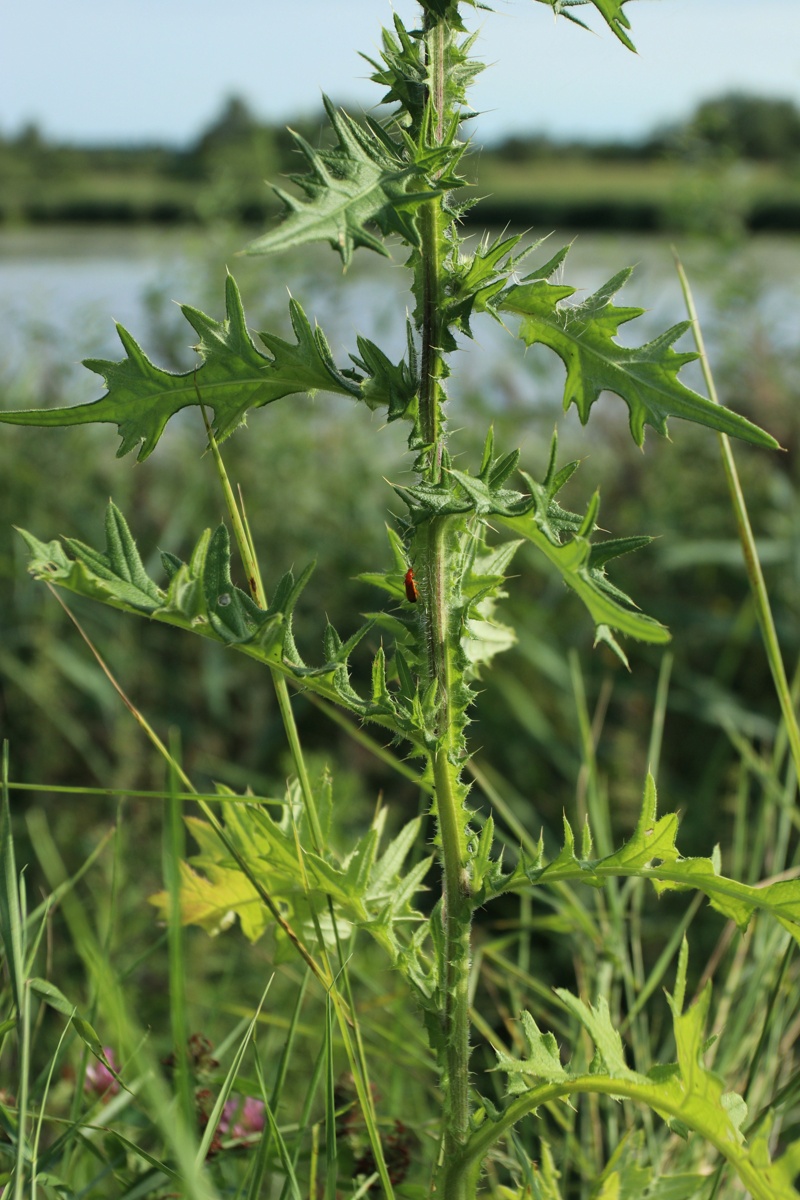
364 180
564 538
474 280
645 377
402 72
610 10
405 73
234 376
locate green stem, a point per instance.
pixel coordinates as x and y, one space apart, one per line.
430 357
455 984
431 268
466 1169
241 533
751 559
446 756
356 1054
456 884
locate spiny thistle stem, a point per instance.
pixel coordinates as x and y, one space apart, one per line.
430 358
431 364
457 910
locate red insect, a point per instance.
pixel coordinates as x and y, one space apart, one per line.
412 592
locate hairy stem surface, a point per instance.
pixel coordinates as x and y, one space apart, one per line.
445 757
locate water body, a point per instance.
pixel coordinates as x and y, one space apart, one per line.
62 290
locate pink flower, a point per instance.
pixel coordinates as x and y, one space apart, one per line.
252 1118
229 1111
99 1079
250 1113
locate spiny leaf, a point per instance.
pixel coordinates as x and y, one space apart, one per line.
363 181
403 71
384 383
475 280
610 10
200 596
652 853
607 1040
609 608
406 75
120 564
234 377
685 1091
484 636
537 518
543 1060
368 889
603 552
612 14
645 377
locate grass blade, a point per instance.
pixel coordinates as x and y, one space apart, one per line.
174 850
752 562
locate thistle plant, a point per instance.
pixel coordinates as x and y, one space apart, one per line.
389 181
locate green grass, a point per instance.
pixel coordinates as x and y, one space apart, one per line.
723 760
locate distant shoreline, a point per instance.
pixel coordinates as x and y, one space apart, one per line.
732 167
595 201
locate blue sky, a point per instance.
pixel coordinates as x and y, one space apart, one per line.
137 70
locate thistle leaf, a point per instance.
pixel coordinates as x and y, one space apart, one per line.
200 596
234 376
562 536
384 383
368 889
364 181
645 377
477 279
618 23
652 853
543 1060
583 570
685 1091
610 10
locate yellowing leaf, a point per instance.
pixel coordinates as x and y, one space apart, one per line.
213 901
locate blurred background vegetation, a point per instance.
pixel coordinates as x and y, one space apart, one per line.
735 163
313 474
